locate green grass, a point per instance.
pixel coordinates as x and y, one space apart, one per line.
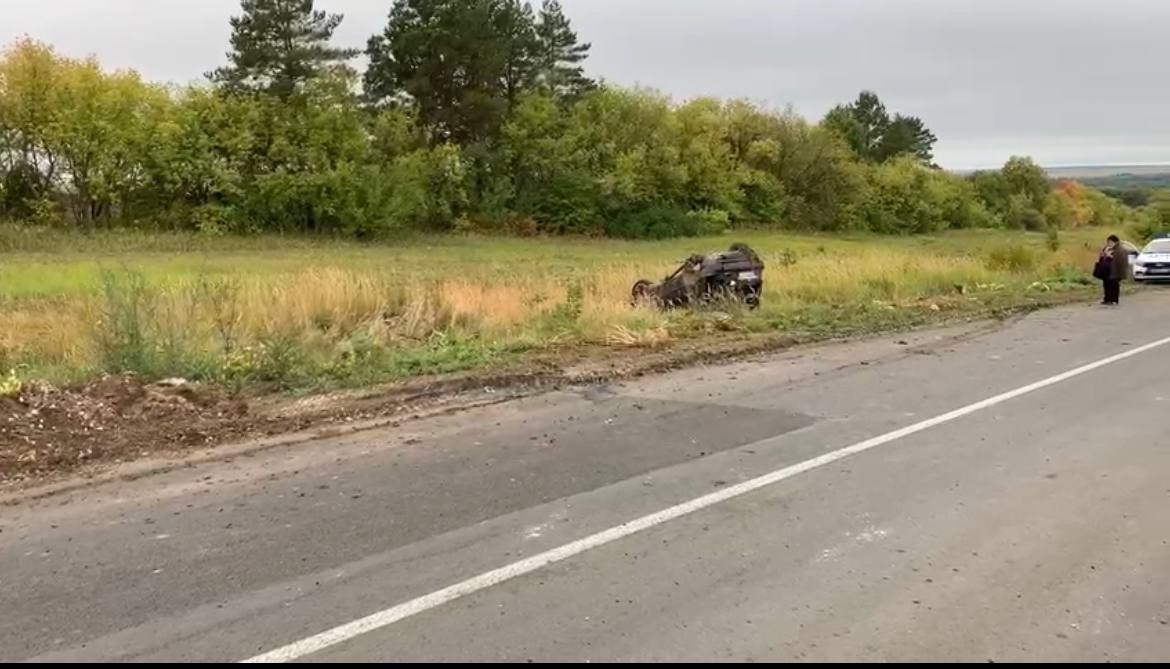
306 314
35 263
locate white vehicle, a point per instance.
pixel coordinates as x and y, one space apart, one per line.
1153 263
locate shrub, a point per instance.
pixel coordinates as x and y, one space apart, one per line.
1012 258
122 332
660 222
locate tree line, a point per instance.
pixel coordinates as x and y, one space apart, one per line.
471 116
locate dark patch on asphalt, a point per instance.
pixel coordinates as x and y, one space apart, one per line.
427 485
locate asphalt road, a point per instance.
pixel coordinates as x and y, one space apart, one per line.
924 499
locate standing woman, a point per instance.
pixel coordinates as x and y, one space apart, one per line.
1112 268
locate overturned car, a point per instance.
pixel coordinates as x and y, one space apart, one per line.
736 274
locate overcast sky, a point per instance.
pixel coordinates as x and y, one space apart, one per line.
1067 81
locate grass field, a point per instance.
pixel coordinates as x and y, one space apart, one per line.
304 314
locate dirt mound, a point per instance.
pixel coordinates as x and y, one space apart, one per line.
47 429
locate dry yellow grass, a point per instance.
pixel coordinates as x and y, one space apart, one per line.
326 306
621 335
45 332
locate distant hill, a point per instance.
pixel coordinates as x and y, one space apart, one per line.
1094 172
1091 172
1129 181
1131 184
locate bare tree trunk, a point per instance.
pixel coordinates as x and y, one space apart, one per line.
84 207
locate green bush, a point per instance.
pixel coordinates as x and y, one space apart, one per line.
975 214
1146 228
123 330
905 197
763 198
1022 214
710 221
566 203
563 318
664 222
1012 258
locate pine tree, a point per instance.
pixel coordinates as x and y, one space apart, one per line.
907 135
868 129
560 54
279 45
516 28
462 63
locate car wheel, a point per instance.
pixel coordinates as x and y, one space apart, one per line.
642 292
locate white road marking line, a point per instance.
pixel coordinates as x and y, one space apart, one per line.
384 618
